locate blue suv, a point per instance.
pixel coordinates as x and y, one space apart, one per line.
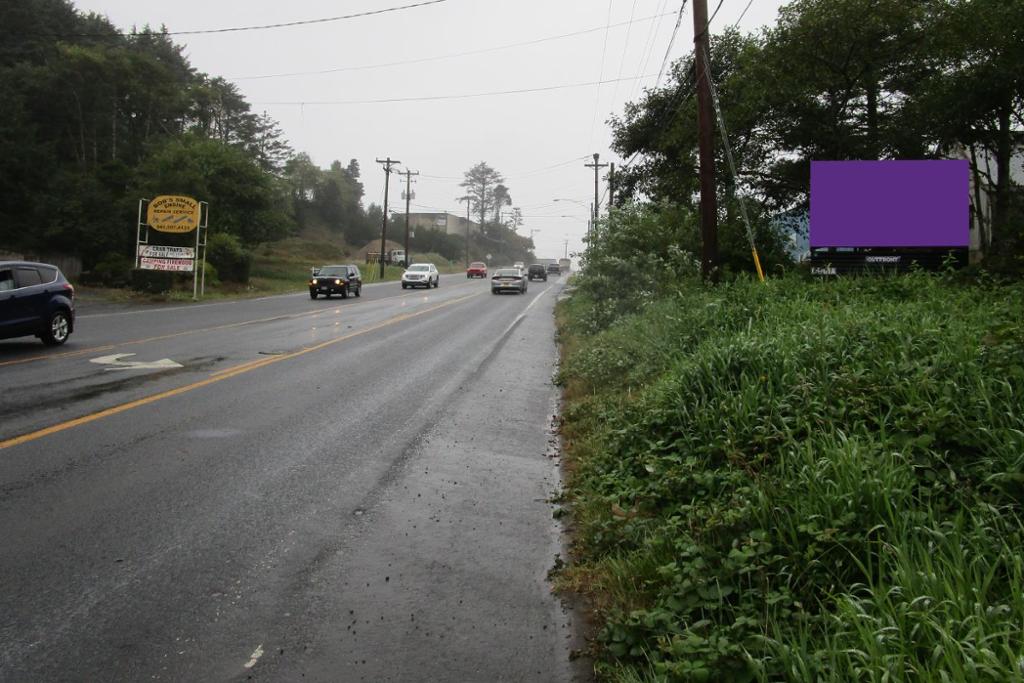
36 299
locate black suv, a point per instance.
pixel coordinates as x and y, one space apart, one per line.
329 280
35 299
536 270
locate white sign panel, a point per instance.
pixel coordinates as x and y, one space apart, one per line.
176 264
157 251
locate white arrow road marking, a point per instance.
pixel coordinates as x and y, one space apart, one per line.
255 657
115 360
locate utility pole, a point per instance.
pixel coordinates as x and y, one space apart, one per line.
597 169
408 196
611 185
468 201
388 163
706 140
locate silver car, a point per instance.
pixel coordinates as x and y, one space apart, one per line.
508 280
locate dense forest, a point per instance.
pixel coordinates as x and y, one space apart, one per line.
92 119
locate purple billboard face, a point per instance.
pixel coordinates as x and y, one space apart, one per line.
890 204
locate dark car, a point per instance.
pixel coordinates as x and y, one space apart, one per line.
508 280
536 270
328 280
554 269
35 299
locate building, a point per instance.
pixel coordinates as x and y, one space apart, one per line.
983 191
445 222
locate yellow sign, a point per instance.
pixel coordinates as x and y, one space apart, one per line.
172 213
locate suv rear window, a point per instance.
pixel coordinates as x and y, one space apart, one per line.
47 273
26 277
6 280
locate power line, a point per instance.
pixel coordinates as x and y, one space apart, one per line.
714 14
645 53
743 13
235 29
625 49
426 98
600 76
454 55
671 42
515 176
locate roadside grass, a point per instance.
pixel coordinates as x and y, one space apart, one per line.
801 481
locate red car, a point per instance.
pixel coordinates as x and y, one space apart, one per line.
477 269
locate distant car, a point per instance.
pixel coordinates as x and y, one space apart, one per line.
421 275
476 269
508 280
35 299
343 279
553 269
536 270
520 265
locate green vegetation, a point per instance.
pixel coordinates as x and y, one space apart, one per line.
845 79
799 480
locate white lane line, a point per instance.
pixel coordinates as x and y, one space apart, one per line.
257 653
525 311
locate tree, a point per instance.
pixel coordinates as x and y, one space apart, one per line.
479 183
501 198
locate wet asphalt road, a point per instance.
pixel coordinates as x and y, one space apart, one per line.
324 490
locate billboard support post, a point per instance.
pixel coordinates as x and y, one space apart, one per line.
138 232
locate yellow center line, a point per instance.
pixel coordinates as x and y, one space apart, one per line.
172 335
231 372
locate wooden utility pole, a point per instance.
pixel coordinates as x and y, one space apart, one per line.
468 200
611 185
597 170
408 196
388 163
706 140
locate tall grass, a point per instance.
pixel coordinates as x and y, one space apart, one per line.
802 481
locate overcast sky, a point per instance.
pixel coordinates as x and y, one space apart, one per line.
538 140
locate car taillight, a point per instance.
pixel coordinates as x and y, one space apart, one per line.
69 290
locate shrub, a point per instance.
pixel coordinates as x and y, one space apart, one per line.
233 262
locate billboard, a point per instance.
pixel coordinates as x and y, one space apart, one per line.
890 204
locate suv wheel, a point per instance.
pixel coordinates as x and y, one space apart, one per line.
359 290
312 295
58 329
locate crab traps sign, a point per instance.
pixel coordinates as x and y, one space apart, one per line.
175 217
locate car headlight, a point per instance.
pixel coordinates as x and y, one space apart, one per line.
337 282
313 281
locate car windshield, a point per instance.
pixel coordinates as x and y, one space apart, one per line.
418 268
507 272
332 270
477 264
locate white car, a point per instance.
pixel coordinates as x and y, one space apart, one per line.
421 275
520 265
